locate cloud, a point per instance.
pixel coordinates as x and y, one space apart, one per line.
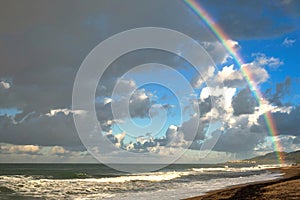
125 86
58 150
174 137
146 144
233 44
189 131
40 90
234 78
218 92
237 140
42 52
286 142
65 111
40 154
4 85
282 89
42 130
219 55
262 60
217 51
288 42
199 80
287 122
119 139
257 73
56 127
205 105
230 77
244 102
140 103
126 96
19 149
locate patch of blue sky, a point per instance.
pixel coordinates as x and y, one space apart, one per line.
9 111
288 54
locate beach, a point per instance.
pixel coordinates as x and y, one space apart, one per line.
286 187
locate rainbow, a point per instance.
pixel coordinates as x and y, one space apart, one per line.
223 38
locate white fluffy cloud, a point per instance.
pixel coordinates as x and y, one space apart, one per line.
262 60
199 80
4 85
66 111
174 137
18 149
257 73
288 42
232 44
286 142
226 93
230 77
58 150
217 50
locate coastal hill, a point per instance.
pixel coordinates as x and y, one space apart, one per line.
272 158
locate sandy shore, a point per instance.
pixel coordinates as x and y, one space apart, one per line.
287 187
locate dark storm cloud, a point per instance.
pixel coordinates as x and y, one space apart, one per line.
205 106
40 130
40 90
189 131
42 46
43 43
244 102
282 89
288 123
43 33
236 140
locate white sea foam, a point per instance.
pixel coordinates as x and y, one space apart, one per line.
146 177
151 177
191 189
235 169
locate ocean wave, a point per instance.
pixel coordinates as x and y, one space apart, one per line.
151 177
237 169
144 184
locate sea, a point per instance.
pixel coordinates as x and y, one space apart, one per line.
97 181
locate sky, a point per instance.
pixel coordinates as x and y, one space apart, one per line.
208 118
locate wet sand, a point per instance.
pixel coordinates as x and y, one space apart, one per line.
287 187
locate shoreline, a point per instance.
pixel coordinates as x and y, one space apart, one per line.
284 187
